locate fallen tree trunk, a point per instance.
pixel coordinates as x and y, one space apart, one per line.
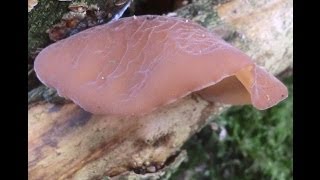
66 142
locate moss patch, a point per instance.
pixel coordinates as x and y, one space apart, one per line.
258 145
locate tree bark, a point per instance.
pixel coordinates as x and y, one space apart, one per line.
65 142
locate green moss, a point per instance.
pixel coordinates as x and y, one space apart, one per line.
258 145
41 18
45 14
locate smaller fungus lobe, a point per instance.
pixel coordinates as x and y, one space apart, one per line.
137 64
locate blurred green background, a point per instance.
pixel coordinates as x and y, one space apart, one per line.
257 145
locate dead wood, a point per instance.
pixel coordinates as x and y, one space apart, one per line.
66 142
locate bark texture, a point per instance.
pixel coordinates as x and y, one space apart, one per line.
66 142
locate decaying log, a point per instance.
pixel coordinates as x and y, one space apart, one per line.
66 142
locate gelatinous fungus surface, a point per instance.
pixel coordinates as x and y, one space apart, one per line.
137 64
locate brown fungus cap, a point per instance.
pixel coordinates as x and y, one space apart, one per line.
137 64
